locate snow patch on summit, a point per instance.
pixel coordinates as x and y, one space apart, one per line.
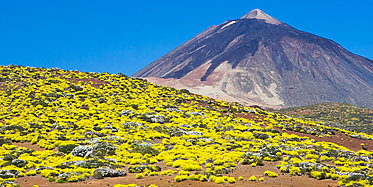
258 14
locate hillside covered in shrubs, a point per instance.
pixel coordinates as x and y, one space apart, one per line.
68 126
340 115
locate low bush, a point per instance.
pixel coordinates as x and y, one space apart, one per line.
67 148
252 178
139 176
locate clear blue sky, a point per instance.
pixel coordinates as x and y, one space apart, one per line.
125 36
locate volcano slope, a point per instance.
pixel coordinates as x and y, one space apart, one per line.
340 115
258 60
63 128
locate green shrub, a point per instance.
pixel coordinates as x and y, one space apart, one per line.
9 157
4 141
102 149
60 180
13 127
51 179
67 148
144 149
19 163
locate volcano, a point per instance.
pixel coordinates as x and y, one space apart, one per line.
260 60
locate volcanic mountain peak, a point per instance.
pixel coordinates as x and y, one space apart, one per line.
258 14
262 61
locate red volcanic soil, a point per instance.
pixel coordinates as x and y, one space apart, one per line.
241 170
31 146
339 139
250 116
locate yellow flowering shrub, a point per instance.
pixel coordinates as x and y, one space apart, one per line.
139 176
180 178
252 178
82 124
231 180
270 174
